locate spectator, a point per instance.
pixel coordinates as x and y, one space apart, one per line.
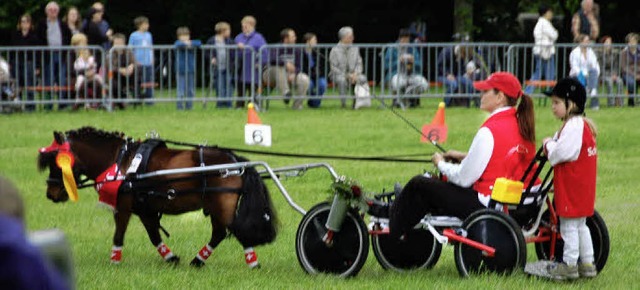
101 23
610 74
72 20
346 64
6 86
457 69
185 66
89 83
53 33
314 66
22 265
284 69
221 63
403 68
586 20
141 42
92 30
122 65
585 67
630 66
545 36
22 63
249 41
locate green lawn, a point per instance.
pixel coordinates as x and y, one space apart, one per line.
328 130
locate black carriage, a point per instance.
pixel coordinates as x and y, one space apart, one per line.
333 237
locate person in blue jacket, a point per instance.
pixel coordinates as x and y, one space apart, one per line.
22 266
185 66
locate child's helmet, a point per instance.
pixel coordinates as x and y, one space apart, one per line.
570 89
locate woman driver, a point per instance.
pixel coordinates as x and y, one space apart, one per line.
470 176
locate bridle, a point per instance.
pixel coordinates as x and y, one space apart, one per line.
64 148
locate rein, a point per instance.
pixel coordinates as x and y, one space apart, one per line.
389 158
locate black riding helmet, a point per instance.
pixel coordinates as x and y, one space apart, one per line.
570 89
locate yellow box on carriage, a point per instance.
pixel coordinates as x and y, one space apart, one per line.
507 190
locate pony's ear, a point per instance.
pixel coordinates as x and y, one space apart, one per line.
58 137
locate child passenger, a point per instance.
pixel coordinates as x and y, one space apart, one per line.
573 154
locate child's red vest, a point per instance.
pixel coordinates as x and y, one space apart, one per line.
506 137
574 182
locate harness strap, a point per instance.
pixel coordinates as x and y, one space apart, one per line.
171 194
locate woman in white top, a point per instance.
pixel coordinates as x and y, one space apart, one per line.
585 67
545 36
510 129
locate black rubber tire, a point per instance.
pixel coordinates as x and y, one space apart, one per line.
418 250
498 230
350 246
599 237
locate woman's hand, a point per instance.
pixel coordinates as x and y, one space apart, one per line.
436 158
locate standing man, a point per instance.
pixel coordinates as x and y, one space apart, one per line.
53 33
586 20
101 23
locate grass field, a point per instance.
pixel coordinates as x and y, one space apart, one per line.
329 130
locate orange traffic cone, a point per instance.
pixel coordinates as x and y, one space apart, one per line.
252 115
437 130
438 119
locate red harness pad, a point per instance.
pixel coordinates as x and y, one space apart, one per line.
107 185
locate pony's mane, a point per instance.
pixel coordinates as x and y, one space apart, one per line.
93 134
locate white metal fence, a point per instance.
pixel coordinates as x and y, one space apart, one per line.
227 76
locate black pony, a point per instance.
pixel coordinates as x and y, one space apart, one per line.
239 203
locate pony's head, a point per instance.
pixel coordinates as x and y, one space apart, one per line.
82 152
47 158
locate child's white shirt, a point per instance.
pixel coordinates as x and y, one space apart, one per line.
566 148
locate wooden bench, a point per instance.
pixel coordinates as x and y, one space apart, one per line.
43 89
49 89
149 85
540 84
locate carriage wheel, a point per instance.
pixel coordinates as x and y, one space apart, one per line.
599 237
350 246
419 249
495 229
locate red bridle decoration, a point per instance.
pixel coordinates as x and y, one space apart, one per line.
65 161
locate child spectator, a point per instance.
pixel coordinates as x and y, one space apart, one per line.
185 66
573 154
249 43
142 43
220 57
88 82
122 68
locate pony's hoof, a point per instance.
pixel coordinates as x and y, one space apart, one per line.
175 260
255 267
196 263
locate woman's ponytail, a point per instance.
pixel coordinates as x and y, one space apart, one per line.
526 118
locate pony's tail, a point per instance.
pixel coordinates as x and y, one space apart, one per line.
255 222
